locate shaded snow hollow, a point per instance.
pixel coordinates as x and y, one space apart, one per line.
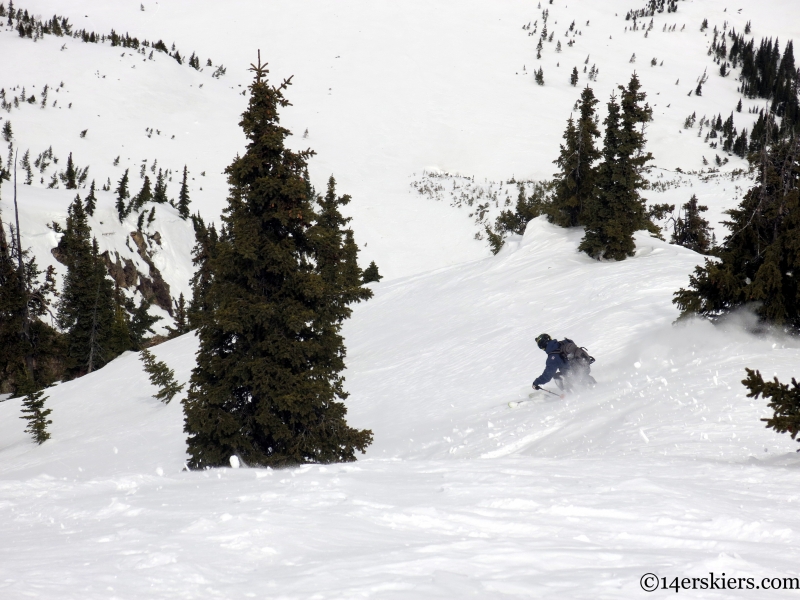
663 468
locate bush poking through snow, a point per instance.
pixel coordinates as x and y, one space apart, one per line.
161 376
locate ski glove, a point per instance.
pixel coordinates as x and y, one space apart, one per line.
536 387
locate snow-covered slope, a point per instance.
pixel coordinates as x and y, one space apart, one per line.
664 467
385 91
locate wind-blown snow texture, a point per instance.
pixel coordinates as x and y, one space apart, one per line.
664 467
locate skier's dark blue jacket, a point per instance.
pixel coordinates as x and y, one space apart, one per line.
555 362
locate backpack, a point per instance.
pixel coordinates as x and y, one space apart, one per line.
574 355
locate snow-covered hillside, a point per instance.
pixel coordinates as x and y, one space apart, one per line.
385 92
664 467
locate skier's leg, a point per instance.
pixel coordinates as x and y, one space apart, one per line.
559 381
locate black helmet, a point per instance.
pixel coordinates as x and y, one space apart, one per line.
542 340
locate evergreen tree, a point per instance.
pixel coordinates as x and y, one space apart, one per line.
25 163
759 260
69 176
140 322
119 337
618 210
86 311
36 414
204 248
161 376
30 350
144 196
573 79
576 182
268 367
371 273
91 200
8 133
336 256
122 195
183 196
784 400
160 190
692 231
539 76
181 318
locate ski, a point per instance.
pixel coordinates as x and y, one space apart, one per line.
537 398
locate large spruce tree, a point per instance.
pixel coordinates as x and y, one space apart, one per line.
759 262
267 379
618 210
576 183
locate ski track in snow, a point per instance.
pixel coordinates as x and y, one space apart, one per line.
664 467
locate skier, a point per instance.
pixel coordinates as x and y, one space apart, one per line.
567 364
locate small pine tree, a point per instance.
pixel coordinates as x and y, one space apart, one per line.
183 196
739 106
8 134
784 400
25 163
36 414
181 318
573 79
91 200
161 376
144 196
539 76
122 196
691 231
160 189
371 273
69 175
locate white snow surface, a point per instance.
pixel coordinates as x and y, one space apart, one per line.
664 467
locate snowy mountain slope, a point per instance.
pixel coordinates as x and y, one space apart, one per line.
663 468
385 92
470 349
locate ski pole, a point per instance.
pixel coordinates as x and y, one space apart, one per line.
553 393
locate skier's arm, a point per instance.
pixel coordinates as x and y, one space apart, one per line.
550 368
